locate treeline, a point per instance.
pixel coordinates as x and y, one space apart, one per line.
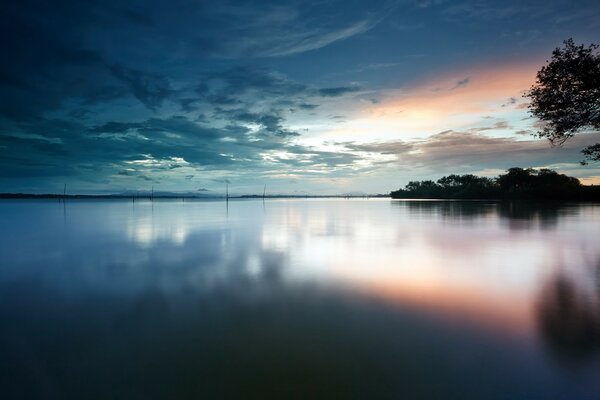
517 183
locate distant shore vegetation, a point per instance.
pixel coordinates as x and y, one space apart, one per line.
516 183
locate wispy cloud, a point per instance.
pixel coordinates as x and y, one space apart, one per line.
338 91
149 88
469 151
277 30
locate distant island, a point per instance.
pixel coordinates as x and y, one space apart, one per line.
516 183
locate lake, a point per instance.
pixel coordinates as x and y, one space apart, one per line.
299 299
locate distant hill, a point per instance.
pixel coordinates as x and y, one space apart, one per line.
167 194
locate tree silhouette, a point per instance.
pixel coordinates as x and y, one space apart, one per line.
566 95
516 180
516 183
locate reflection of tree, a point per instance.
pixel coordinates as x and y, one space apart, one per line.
518 213
468 209
569 321
526 213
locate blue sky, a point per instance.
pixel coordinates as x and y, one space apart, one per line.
320 97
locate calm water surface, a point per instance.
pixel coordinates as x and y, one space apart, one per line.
299 299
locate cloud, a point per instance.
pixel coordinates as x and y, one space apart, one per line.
149 88
169 150
498 125
240 81
255 102
313 40
376 66
124 92
522 106
338 91
509 102
461 83
273 31
457 151
524 132
188 104
96 52
115 127
270 122
502 125
488 11
422 107
307 106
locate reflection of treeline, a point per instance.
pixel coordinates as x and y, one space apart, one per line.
516 183
458 209
569 320
517 213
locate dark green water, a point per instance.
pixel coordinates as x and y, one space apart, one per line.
299 299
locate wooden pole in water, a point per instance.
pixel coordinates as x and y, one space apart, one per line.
264 191
65 192
227 191
152 194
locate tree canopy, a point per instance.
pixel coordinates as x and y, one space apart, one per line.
566 95
516 183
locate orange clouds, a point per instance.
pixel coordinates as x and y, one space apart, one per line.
480 90
457 100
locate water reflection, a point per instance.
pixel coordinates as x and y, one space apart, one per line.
569 319
524 214
297 299
448 208
516 214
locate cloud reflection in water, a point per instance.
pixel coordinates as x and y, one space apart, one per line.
302 298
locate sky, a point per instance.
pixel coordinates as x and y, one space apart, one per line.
305 97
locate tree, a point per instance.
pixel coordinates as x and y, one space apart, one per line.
566 95
516 180
516 183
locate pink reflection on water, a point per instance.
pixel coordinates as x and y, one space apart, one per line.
486 269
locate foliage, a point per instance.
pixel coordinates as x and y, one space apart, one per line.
516 183
592 152
566 95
